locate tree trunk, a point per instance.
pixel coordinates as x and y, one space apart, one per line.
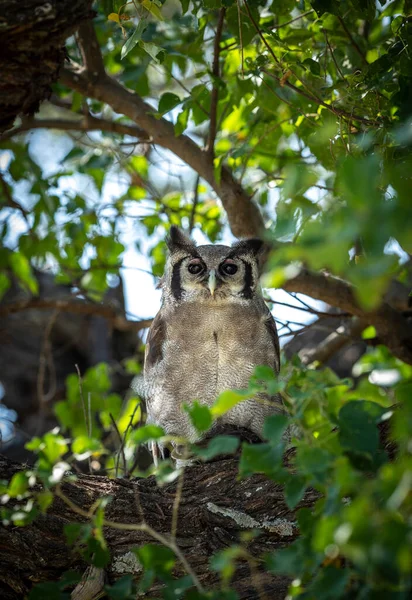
215 507
33 33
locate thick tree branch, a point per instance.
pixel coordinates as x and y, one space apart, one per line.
394 330
214 509
71 306
85 123
243 214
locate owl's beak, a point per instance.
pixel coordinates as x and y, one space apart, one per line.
212 282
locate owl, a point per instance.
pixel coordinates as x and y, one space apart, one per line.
212 330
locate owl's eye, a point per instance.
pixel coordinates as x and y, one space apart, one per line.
195 268
228 268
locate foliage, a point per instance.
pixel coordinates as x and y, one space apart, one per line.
311 106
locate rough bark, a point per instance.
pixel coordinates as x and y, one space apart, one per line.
32 40
215 508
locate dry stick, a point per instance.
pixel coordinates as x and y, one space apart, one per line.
194 205
84 407
46 359
215 91
144 528
176 503
333 57
305 14
239 22
121 449
259 32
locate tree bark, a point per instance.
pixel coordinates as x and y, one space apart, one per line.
214 509
32 51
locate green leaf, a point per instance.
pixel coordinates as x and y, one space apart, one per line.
147 433
329 582
274 428
219 445
22 269
167 102
18 484
44 500
122 589
133 39
152 50
200 415
4 284
358 426
261 458
227 400
295 490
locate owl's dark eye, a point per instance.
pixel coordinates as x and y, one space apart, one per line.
195 268
228 268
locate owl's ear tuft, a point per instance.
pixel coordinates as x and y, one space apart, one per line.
177 240
253 246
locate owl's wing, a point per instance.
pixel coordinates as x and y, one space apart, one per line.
273 332
154 343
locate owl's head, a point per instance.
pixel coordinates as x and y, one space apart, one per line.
210 272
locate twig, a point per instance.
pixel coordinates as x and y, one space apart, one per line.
333 58
194 205
10 200
121 448
87 424
46 358
215 91
262 37
305 14
352 40
239 22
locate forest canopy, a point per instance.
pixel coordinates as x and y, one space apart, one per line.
289 120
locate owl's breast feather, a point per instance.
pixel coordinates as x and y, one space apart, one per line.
214 348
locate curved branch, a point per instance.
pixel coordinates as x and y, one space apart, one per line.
85 123
84 308
244 216
394 330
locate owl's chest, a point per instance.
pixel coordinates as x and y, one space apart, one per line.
226 326
218 346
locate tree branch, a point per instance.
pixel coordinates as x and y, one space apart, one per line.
214 511
90 49
77 307
334 342
244 216
394 330
215 92
86 123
